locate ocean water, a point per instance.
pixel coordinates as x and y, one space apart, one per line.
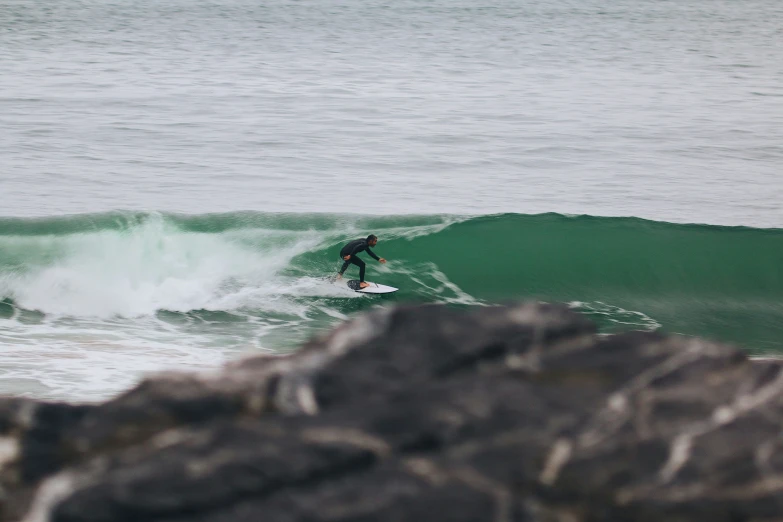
177 176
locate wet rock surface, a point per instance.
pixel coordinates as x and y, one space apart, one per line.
518 412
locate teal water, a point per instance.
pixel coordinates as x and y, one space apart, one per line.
130 292
176 176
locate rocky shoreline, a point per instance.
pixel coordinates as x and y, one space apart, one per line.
507 413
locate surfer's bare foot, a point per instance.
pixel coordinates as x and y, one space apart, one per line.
339 276
363 285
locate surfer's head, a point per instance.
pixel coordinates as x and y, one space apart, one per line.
372 240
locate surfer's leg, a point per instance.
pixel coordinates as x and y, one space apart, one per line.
358 262
345 266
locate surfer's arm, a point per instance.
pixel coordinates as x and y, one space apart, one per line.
372 254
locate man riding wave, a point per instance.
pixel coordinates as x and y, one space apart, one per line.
348 254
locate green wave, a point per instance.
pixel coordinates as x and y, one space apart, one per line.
719 282
724 283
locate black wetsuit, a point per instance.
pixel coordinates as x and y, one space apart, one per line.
353 248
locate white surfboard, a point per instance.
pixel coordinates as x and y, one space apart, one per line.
374 288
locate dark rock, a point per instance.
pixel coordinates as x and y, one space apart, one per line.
422 413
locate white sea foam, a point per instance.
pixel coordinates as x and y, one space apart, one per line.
92 312
153 267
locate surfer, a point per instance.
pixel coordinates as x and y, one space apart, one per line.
348 254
